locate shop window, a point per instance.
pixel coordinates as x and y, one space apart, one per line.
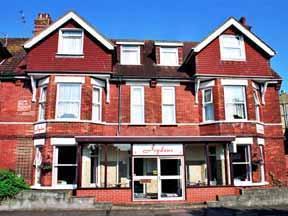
65 165
217 165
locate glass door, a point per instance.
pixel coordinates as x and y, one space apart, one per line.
171 178
158 178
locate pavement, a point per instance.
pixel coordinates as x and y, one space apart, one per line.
266 211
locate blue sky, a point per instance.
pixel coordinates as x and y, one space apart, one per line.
162 19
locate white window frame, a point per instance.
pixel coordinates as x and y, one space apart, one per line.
97 104
237 182
57 102
257 105
42 103
241 47
162 50
122 50
174 104
245 104
55 166
206 103
60 42
143 103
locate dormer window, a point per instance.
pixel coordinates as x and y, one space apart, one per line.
70 42
169 56
130 55
232 48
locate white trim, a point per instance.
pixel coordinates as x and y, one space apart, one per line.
54 187
43 82
69 79
39 142
233 22
138 51
250 184
17 123
234 82
172 44
63 141
244 140
97 82
207 84
70 15
260 141
130 42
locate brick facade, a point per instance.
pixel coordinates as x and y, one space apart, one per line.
19 115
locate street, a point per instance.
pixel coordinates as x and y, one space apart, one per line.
267 211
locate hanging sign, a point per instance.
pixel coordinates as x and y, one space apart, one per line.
158 149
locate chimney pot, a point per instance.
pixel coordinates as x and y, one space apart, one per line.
42 21
243 21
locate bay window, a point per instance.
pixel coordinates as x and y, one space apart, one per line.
42 103
235 102
70 42
96 104
232 48
68 101
168 105
208 107
64 165
130 55
137 115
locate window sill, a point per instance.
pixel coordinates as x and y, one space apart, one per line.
169 125
130 64
62 187
59 55
231 122
137 124
250 184
163 65
233 60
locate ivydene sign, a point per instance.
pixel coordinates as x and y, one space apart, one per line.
158 149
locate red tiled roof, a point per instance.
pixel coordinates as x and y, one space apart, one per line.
15 47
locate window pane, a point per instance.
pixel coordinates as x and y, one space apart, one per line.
96 113
209 112
145 167
66 175
96 95
42 111
170 167
242 154
207 95
137 96
171 188
67 154
130 55
230 52
168 115
137 114
68 110
71 42
231 41
168 96
43 95
168 56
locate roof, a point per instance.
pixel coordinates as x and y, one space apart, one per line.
233 22
154 139
64 19
15 48
149 69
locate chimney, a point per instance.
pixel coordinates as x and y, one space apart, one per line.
42 21
243 21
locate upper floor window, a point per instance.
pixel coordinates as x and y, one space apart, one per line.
68 101
42 103
137 115
130 55
257 104
168 105
208 107
232 48
235 102
96 105
70 42
169 56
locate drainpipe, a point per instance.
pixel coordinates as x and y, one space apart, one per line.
119 107
33 85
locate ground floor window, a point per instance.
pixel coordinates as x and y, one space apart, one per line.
241 163
106 165
205 165
64 165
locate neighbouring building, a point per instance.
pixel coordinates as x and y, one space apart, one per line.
140 120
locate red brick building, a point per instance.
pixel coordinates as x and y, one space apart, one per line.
140 121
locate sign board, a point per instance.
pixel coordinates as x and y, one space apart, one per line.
158 149
40 128
259 128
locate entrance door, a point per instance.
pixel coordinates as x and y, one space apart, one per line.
158 178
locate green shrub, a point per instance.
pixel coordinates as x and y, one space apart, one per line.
10 184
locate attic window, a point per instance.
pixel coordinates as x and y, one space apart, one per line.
70 42
130 55
169 56
232 48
